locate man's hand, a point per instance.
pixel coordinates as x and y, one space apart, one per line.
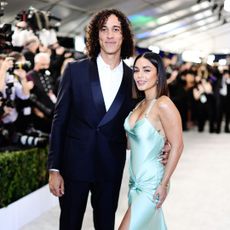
165 153
56 183
7 111
60 50
39 113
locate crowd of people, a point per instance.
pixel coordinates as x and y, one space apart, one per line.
29 76
29 79
202 95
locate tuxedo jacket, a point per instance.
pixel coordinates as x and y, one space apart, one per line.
88 143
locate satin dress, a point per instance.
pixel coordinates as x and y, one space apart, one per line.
146 172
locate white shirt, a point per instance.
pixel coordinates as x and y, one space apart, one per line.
110 80
223 89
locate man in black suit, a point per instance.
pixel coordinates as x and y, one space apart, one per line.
88 142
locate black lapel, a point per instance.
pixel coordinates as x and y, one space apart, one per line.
96 88
121 94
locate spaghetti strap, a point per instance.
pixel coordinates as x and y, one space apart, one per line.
150 107
138 104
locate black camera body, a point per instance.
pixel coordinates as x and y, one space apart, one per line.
22 65
8 101
38 20
6 32
5 36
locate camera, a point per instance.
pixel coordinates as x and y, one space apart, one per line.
25 65
5 32
22 65
5 36
8 102
30 140
38 20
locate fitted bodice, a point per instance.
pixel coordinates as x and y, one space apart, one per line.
146 144
145 141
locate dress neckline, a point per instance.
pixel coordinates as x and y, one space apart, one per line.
146 113
140 122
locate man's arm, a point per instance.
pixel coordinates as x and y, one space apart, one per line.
58 131
5 66
60 119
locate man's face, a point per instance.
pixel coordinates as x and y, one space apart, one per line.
110 36
44 64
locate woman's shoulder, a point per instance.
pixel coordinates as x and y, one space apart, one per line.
164 103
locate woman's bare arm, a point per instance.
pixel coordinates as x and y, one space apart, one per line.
171 122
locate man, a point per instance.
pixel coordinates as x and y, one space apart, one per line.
13 86
224 102
30 49
42 94
88 142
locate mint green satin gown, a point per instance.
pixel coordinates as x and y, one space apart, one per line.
146 172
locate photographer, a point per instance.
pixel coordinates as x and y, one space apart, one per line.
5 64
203 96
30 49
57 58
224 102
42 95
13 85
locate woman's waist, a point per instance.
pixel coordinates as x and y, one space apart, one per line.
144 153
138 163
145 184
146 173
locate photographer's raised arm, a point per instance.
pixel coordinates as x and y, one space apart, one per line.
5 65
26 85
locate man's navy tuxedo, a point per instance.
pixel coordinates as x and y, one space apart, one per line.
88 143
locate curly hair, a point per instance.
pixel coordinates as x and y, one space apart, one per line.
97 22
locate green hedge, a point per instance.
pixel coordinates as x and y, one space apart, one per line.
21 172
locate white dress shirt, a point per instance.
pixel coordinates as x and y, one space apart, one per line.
110 80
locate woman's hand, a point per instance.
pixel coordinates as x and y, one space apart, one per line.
160 195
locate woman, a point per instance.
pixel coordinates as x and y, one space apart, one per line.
154 120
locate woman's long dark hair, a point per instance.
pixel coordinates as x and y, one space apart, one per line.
162 87
97 22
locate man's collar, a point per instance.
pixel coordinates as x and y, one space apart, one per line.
101 62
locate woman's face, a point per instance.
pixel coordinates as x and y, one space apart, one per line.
145 74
